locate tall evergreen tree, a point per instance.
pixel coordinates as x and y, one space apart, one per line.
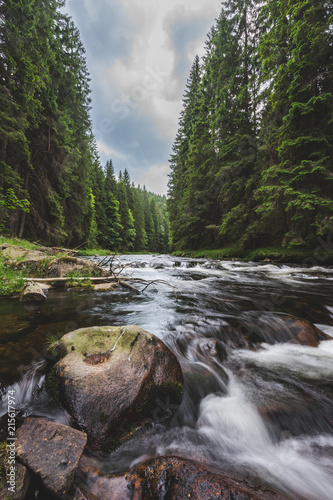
178 183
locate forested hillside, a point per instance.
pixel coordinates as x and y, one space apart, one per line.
52 186
252 159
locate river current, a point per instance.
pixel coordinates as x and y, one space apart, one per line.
264 409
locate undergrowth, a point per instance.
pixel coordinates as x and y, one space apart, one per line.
11 281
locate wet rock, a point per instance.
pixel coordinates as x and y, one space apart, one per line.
305 333
171 477
80 493
33 292
108 374
210 348
272 329
158 266
21 484
51 451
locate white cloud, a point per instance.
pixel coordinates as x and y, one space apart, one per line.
152 48
155 178
108 152
139 54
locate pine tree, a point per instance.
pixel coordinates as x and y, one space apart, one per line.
140 242
178 183
113 231
126 217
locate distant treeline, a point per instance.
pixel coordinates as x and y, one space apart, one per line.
52 187
125 217
252 161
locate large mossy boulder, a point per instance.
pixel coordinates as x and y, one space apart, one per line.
113 378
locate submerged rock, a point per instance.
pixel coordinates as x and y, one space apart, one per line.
172 477
33 291
51 451
109 375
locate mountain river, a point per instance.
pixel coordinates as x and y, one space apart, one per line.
261 405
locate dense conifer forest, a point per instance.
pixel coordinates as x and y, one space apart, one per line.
252 159
52 186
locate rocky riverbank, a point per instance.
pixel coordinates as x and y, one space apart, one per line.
32 272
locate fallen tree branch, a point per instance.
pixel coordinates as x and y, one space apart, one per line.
71 278
128 285
116 278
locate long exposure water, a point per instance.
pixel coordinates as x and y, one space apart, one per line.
254 400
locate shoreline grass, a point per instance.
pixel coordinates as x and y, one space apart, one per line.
304 256
18 242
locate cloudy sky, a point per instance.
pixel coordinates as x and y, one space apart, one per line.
139 53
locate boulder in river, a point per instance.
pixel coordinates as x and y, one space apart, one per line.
305 333
272 329
51 451
33 292
171 477
113 378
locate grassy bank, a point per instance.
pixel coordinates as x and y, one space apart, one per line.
11 281
306 256
91 252
19 242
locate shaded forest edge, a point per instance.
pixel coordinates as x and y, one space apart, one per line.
252 162
53 188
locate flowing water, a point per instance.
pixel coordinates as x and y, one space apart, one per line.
253 401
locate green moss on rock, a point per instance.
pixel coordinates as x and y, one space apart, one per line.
98 340
53 387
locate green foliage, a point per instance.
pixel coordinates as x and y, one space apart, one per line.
19 242
94 251
11 281
253 154
276 254
9 203
46 145
79 278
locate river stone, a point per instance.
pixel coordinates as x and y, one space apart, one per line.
172 477
51 451
33 292
22 483
305 333
109 373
